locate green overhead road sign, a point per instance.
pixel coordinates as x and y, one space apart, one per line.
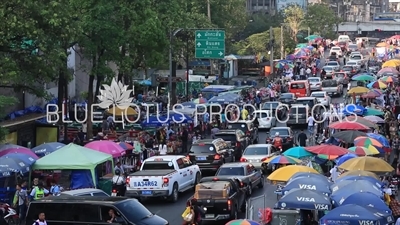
210 44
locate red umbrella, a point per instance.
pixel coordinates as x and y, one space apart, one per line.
327 150
348 125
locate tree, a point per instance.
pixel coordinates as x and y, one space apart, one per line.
294 18
4 103
321 19
260 22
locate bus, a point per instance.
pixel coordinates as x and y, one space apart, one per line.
213 90
393 16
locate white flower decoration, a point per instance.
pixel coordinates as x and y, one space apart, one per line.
116 94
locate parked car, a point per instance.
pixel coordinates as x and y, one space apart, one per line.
315 83
248 128
256 154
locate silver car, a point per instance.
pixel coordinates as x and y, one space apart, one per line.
329 71
315 83
257 153
85 192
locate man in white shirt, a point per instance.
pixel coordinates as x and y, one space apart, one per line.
334 173
308 72
302 71
310 122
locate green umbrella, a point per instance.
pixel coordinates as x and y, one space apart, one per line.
363 78
297 152
373 112
312 37
301 45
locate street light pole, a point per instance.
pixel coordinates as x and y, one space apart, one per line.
171 37
282 49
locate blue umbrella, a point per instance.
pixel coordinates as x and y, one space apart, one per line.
15 162
344 158
338 197
47 148
354 109
310 183
384 141
304 199
355 215
179 118
189 105
154 121
366 199
308 175
347 184
372 180
225 99
145 82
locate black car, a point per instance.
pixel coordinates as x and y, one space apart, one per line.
275 107
91 210
285 133
222 198
248 128
236 138
287 98
210 154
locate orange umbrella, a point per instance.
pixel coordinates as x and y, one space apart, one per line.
348 125
365 141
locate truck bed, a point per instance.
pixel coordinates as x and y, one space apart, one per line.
151 173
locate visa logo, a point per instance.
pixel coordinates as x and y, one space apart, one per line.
321 207
307 186
366 222
304 199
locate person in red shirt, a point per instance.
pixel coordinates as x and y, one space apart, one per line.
277 142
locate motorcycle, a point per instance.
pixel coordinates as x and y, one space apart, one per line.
10 214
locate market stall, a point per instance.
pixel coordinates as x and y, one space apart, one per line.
76 159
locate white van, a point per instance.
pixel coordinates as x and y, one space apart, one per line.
343 38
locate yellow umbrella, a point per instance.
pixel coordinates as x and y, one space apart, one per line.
358 90
382 44
360 173
285 173
390 63
119 112
367 163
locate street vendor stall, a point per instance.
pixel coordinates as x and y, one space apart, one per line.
78 160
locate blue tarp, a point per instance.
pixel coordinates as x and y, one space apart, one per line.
81 179
225 99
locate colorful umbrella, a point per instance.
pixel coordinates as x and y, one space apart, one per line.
388 69
363 78
242 222
388 79
280 159
390 63
327 150
125 146
382 139
365 141
373 112
297 152
361 120
371 94
301 45
47 148
286 172
300 54
374 119
367 163
200 100
348 125
327 157
290 57
108 147
363 151
377 84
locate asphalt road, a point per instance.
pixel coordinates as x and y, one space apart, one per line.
261 198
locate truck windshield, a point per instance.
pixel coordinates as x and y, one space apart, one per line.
127 208
226 137
226 171
329 83
202 149
164 165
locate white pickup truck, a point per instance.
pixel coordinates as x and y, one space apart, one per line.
163 176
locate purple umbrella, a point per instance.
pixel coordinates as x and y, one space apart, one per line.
290 57
300 54
11 148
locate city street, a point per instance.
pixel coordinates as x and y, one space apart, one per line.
172 211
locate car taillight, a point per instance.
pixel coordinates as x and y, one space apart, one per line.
241 184
263 159
243 159
217 157
229 204
114 191
165 180
128 181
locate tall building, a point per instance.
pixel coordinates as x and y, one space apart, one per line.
254 6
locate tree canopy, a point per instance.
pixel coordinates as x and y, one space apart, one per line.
321 19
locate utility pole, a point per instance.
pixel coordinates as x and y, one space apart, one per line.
271 49
282 48
308 31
